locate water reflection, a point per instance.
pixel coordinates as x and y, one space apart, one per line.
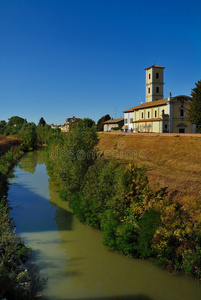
71 254
29 162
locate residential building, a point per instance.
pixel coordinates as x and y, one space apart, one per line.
71 121
113 123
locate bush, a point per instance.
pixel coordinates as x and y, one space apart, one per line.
147 228
98 189
74 156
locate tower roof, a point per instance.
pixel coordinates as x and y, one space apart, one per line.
155 66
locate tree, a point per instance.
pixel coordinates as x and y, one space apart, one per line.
15 120
101 121
2 126
86 122
42 122
194 113
75 156
29 136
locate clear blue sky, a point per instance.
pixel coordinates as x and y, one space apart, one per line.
86 58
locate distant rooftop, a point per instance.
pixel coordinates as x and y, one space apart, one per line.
112 121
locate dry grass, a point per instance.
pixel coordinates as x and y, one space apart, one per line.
173 161
7 142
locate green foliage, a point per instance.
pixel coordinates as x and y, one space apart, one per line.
86 122
98 189
177 241
29 136
77 207
44 133
109 224
194 114
42 122
12 250
101 121
116 128
15 120
12 254
2 126
7 160
72 158
127 238
148 225
12 130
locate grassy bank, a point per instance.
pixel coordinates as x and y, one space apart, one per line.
173 161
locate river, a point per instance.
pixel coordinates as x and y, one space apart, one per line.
71 254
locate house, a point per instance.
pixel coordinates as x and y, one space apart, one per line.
71 121
63 128
113 123
158 114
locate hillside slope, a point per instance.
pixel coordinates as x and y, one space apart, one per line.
173 161
7 142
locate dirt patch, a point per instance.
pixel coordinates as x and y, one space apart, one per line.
171 160
7 142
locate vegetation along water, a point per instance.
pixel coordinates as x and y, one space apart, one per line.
71 254
136 220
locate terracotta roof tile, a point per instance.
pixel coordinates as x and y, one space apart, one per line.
148 104
155 66
111 121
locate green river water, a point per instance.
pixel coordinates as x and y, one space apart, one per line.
71 254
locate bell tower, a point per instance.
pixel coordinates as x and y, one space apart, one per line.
154 83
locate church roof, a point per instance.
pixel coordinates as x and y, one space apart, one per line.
148 104
155 66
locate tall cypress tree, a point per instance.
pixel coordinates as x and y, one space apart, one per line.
194 113
101 121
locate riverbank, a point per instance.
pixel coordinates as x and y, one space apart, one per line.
7 142
71 254
172 160
16 282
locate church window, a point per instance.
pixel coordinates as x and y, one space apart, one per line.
155 113
181 112
149 75
131 120
148 114
142 115
148 90
157 75
125 121
157 89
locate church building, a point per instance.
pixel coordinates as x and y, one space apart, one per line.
159 114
